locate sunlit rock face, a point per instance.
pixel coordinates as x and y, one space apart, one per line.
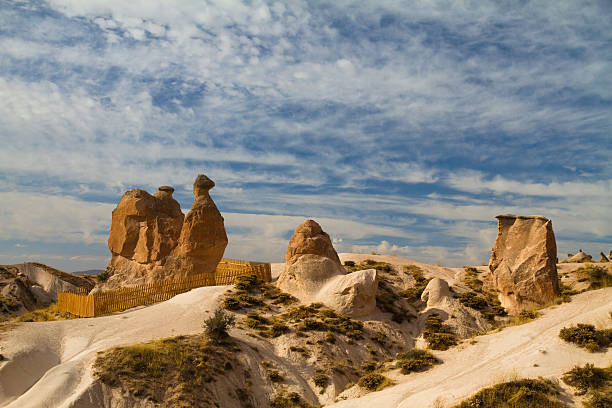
524 262
151 239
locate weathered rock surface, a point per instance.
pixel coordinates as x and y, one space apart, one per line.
466 322
435 292
580 257
145 227
203 238
353 294
523 262
313 273
30 285
309 238
151 239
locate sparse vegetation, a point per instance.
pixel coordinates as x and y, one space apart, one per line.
587 336
373 381
45 314
250 291
216 326
439 336
597 276
103 277
471 279
595 382
414 294
169 370
289 400
472 300
321 380
316 317
8 304
587 378
524 393
415 360
275 376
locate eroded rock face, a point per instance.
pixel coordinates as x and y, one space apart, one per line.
145 228
203 238
313 273
309 238
435 292
523 262
151 239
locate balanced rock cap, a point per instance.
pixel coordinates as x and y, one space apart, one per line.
202 185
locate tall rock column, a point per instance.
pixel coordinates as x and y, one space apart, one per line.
203 238
523 262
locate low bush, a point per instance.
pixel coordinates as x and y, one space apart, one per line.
369 366
45 314
289 400
216 326
415 360
471 279
320 380
525 393
103 276
414 294
587 378
373 381
587 336
250 291
439 336
473 301
275 376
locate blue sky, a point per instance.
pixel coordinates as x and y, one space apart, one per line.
402 127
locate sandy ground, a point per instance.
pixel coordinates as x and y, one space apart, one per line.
530 350
49 364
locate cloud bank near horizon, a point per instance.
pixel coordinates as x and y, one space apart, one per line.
401 129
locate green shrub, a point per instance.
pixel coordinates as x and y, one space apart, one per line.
599 399
472 300
414 294
438 335
586 378
525 393
471 279
373 381
216 326
415 360
274 375
369 366
8 304
320 380
103 277
586 336
289 400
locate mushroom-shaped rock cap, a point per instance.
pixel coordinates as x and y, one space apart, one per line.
202 185
166 189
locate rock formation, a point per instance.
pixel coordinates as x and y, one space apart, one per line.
151 239
523 262
313 273
580 257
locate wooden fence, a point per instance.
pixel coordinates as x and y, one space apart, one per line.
99 304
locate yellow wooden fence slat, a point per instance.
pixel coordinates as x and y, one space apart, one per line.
79 303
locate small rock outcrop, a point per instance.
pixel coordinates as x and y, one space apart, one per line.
523 262
435 292
580 257
151 239
313 273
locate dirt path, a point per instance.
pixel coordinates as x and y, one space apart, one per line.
530 350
